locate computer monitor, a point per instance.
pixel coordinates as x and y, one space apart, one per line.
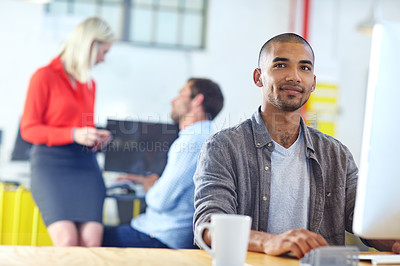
377 210
138 147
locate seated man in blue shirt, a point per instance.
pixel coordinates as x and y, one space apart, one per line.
167 222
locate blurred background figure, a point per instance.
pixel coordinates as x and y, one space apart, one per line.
168 219
66 181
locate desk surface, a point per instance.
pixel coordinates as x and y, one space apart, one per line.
28 255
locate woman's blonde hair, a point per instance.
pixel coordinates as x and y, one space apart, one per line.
77 54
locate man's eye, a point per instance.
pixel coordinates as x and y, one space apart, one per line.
280 65
306 68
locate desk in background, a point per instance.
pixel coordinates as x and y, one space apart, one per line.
125 208
122 202
28 255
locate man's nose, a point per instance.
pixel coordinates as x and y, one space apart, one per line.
293 75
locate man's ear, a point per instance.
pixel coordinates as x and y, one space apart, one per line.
314 84
198 100
257 77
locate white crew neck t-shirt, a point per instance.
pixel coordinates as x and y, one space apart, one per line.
290 188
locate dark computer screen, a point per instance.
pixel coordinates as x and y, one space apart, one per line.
138 147
21 149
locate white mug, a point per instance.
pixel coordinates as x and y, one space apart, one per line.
229 238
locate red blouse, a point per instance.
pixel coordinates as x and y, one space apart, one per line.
53 107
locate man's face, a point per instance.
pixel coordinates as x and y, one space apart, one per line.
287 75
181 104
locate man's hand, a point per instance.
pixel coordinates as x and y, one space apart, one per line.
146 181
298 241
92 137
396 247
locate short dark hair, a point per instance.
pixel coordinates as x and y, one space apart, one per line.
213 98
283 38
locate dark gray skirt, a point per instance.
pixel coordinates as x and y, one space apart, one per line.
66 183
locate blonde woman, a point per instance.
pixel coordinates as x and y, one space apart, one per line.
58 119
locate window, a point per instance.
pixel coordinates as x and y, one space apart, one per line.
159 23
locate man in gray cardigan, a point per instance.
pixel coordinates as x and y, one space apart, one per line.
298 184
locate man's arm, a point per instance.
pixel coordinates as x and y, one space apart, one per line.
146 181
298 241
214 185
177 176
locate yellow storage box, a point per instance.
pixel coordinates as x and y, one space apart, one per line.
20 219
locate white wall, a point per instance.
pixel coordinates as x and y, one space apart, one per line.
140 82
343 56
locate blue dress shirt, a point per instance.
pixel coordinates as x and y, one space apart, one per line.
170 201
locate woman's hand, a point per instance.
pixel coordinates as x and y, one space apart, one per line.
92 137
103 138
